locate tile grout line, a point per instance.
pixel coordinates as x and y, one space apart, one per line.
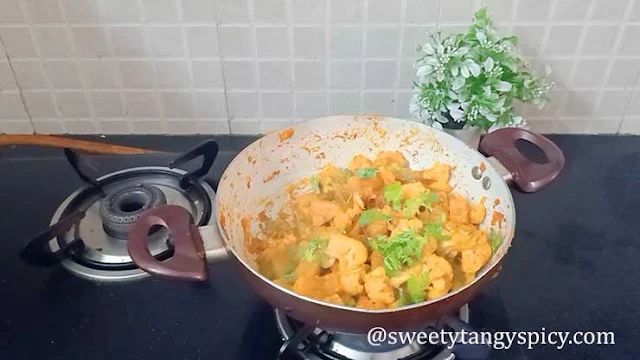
74 51
40 60
115 68
185 49
15 80
581 39
622 25
541 55
363 52
314 24
403 16
301 58
221 57
254 50
292 73
327 56
514 15
438 15
614 51
147 43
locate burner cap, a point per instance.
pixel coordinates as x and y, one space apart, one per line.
121 209
108 219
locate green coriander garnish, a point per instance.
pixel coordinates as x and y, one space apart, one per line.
402 249
416 286
371 215
435 230
412 206
315 246
366 173
496 239
393 194
315 184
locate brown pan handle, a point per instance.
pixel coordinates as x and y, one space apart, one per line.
527 175
188 261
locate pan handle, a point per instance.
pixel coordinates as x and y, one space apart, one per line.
188 261
527 175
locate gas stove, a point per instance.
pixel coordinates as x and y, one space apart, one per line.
89 230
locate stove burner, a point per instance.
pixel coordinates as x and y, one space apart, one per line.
89 229
307 342
122 208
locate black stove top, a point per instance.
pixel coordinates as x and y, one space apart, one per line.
571 268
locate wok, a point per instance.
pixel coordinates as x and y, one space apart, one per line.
261 172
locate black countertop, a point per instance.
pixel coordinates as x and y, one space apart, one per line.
572 267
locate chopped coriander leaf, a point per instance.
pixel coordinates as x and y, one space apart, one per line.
416 286
435 230
366 173
371 215
412 206
403 249
312 249
393 194
315 184
495 238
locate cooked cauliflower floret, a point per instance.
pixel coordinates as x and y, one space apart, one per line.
377 287
412 190
390 158
477 212
471 260
440 276
351 253
458 209
351 282
318 287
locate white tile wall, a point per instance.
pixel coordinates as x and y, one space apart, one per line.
250 66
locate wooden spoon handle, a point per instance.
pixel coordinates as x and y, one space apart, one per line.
63 142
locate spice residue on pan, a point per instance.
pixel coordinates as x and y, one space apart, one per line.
496 202
497 218
407 139
271 176
286 134
223 221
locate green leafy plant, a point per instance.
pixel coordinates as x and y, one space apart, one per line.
473 78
